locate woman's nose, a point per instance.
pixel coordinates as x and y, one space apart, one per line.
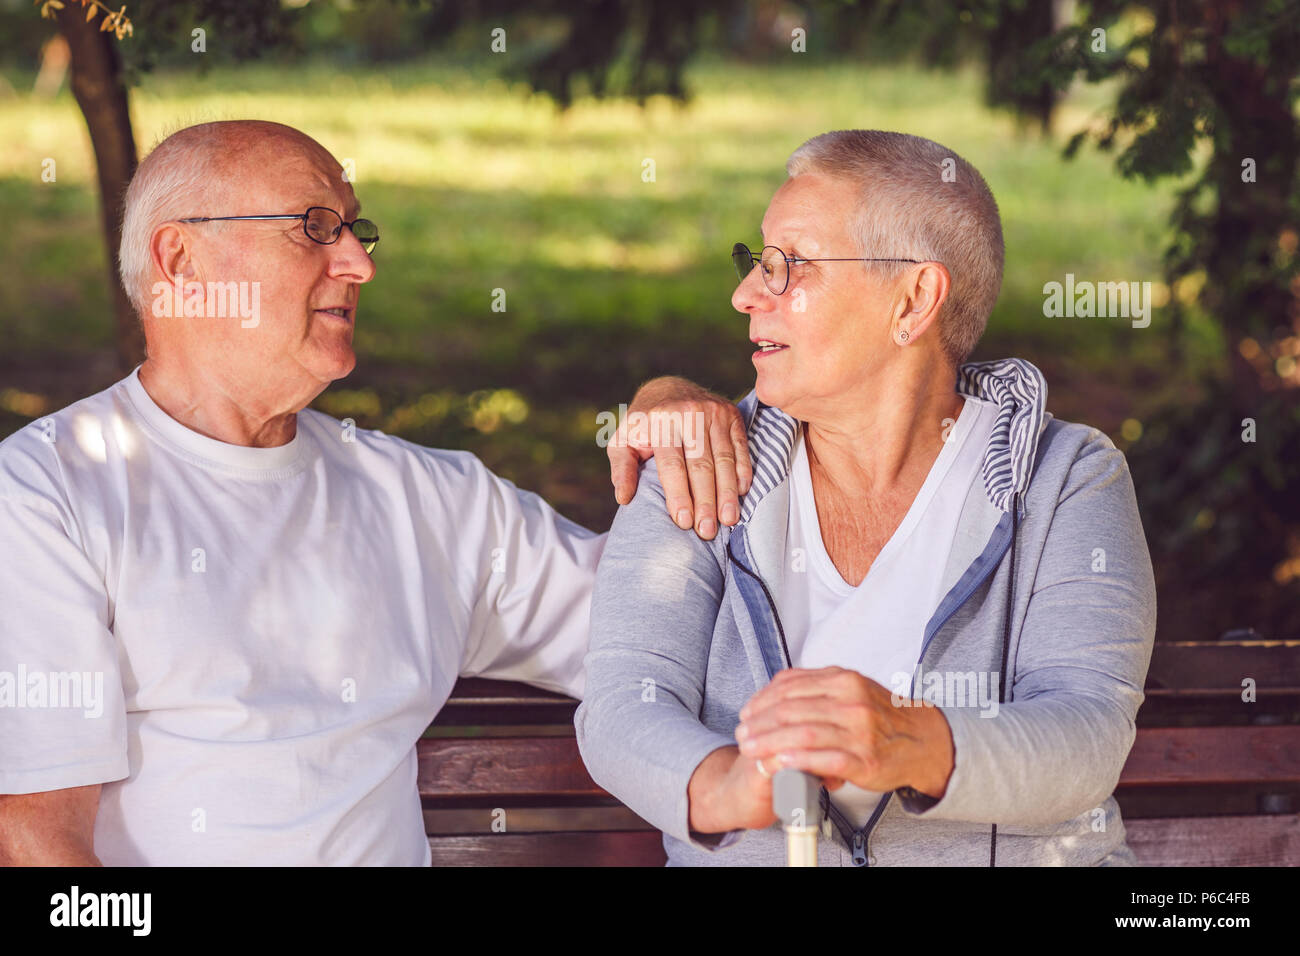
751 295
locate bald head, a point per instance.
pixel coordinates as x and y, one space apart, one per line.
296 290
203 170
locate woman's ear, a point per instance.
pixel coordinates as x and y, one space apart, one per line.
925 290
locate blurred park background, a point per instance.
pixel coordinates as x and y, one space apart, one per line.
522 170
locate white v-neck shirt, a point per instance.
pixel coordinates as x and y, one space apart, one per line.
877 627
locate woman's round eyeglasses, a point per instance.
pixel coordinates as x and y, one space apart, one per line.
320 223
775 265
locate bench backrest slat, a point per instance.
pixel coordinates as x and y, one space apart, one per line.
527 768
519 768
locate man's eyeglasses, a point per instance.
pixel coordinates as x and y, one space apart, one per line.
320 223
776 265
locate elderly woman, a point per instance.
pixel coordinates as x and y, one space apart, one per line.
937 598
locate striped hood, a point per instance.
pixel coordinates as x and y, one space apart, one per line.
1017 387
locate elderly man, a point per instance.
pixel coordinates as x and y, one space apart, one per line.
225 620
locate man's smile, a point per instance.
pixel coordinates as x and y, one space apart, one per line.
338 313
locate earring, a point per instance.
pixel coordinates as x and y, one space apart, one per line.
902 336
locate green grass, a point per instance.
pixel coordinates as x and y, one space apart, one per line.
478 185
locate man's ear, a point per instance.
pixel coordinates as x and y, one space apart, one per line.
170 252
925 290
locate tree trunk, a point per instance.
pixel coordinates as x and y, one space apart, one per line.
100 92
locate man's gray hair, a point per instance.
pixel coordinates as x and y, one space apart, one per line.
920 200
174 182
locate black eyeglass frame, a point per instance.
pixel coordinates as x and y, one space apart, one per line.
791 260
371 243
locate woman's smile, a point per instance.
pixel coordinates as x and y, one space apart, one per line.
767 347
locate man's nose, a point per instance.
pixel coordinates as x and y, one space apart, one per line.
752 295
349 260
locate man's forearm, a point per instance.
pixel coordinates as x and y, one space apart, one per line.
50 828
34 849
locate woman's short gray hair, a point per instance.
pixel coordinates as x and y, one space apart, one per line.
174 181
920 200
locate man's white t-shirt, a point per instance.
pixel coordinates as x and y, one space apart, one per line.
260 635
877 627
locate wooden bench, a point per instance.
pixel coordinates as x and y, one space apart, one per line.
1211 781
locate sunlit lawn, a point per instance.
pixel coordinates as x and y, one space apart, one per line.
608 279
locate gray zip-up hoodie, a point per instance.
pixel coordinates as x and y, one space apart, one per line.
1048 580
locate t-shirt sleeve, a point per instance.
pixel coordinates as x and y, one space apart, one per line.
62 708
530 600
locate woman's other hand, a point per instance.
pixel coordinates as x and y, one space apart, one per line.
839 725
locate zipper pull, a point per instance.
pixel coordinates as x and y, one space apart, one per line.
859 849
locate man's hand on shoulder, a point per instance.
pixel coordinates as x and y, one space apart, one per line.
699 443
